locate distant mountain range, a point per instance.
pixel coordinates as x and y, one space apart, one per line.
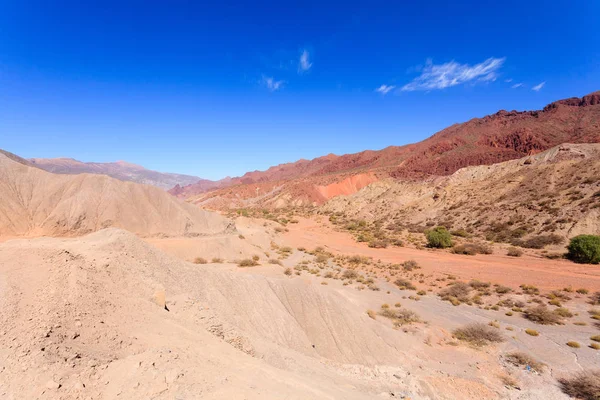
120 170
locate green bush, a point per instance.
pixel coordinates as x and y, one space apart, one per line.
439 237
584 249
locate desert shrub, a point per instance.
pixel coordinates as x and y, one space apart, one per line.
478 334
378 243
542 315
404 284
247 262
372 314
274 261
521 359
410 265
321 258
404 317
595 338
532 332
475 284
460 233
514 252
502 289
200 260
255 258
530 289
288 271
582 385
216 260
358 260
584 249
400 317
349 274
458 291
573 344
471 249
538 242
595 346
595 298
563 312
439 238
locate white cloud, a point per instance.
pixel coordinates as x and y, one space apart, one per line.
537 88
452 73
385 89
509 80
516 85
271 83
304 63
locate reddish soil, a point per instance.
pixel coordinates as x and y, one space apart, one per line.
496 268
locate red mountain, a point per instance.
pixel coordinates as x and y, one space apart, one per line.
502 136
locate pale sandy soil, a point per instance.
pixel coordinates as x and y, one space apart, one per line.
497 268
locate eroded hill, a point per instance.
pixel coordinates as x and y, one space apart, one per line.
35 202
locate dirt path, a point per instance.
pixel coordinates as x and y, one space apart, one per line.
510 271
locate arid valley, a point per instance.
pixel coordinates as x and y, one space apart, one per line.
439 270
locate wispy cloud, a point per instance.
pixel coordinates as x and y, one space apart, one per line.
272 84
516 85
509 80
538 87
384 89
452 73
304 63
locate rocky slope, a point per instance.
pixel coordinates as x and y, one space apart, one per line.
503 136
553 192
35 202
120 170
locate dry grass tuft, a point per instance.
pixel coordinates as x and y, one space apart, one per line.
532 332
573 344
200 260
247 262
521 359
478 334
404 284
542 315
583 385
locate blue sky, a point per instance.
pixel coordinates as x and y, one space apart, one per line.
216 90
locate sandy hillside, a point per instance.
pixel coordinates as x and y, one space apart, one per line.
85 318
553 192
34 203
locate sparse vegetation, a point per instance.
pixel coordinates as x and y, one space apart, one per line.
404 284
478 334
472 249
573 344
217 260
410 265
288 271
583 385
532 332
542 315
538 242
200 260
514 252
521 359
584 249
439 238
456 293
247 262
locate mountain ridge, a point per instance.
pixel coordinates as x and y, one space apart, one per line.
494 138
